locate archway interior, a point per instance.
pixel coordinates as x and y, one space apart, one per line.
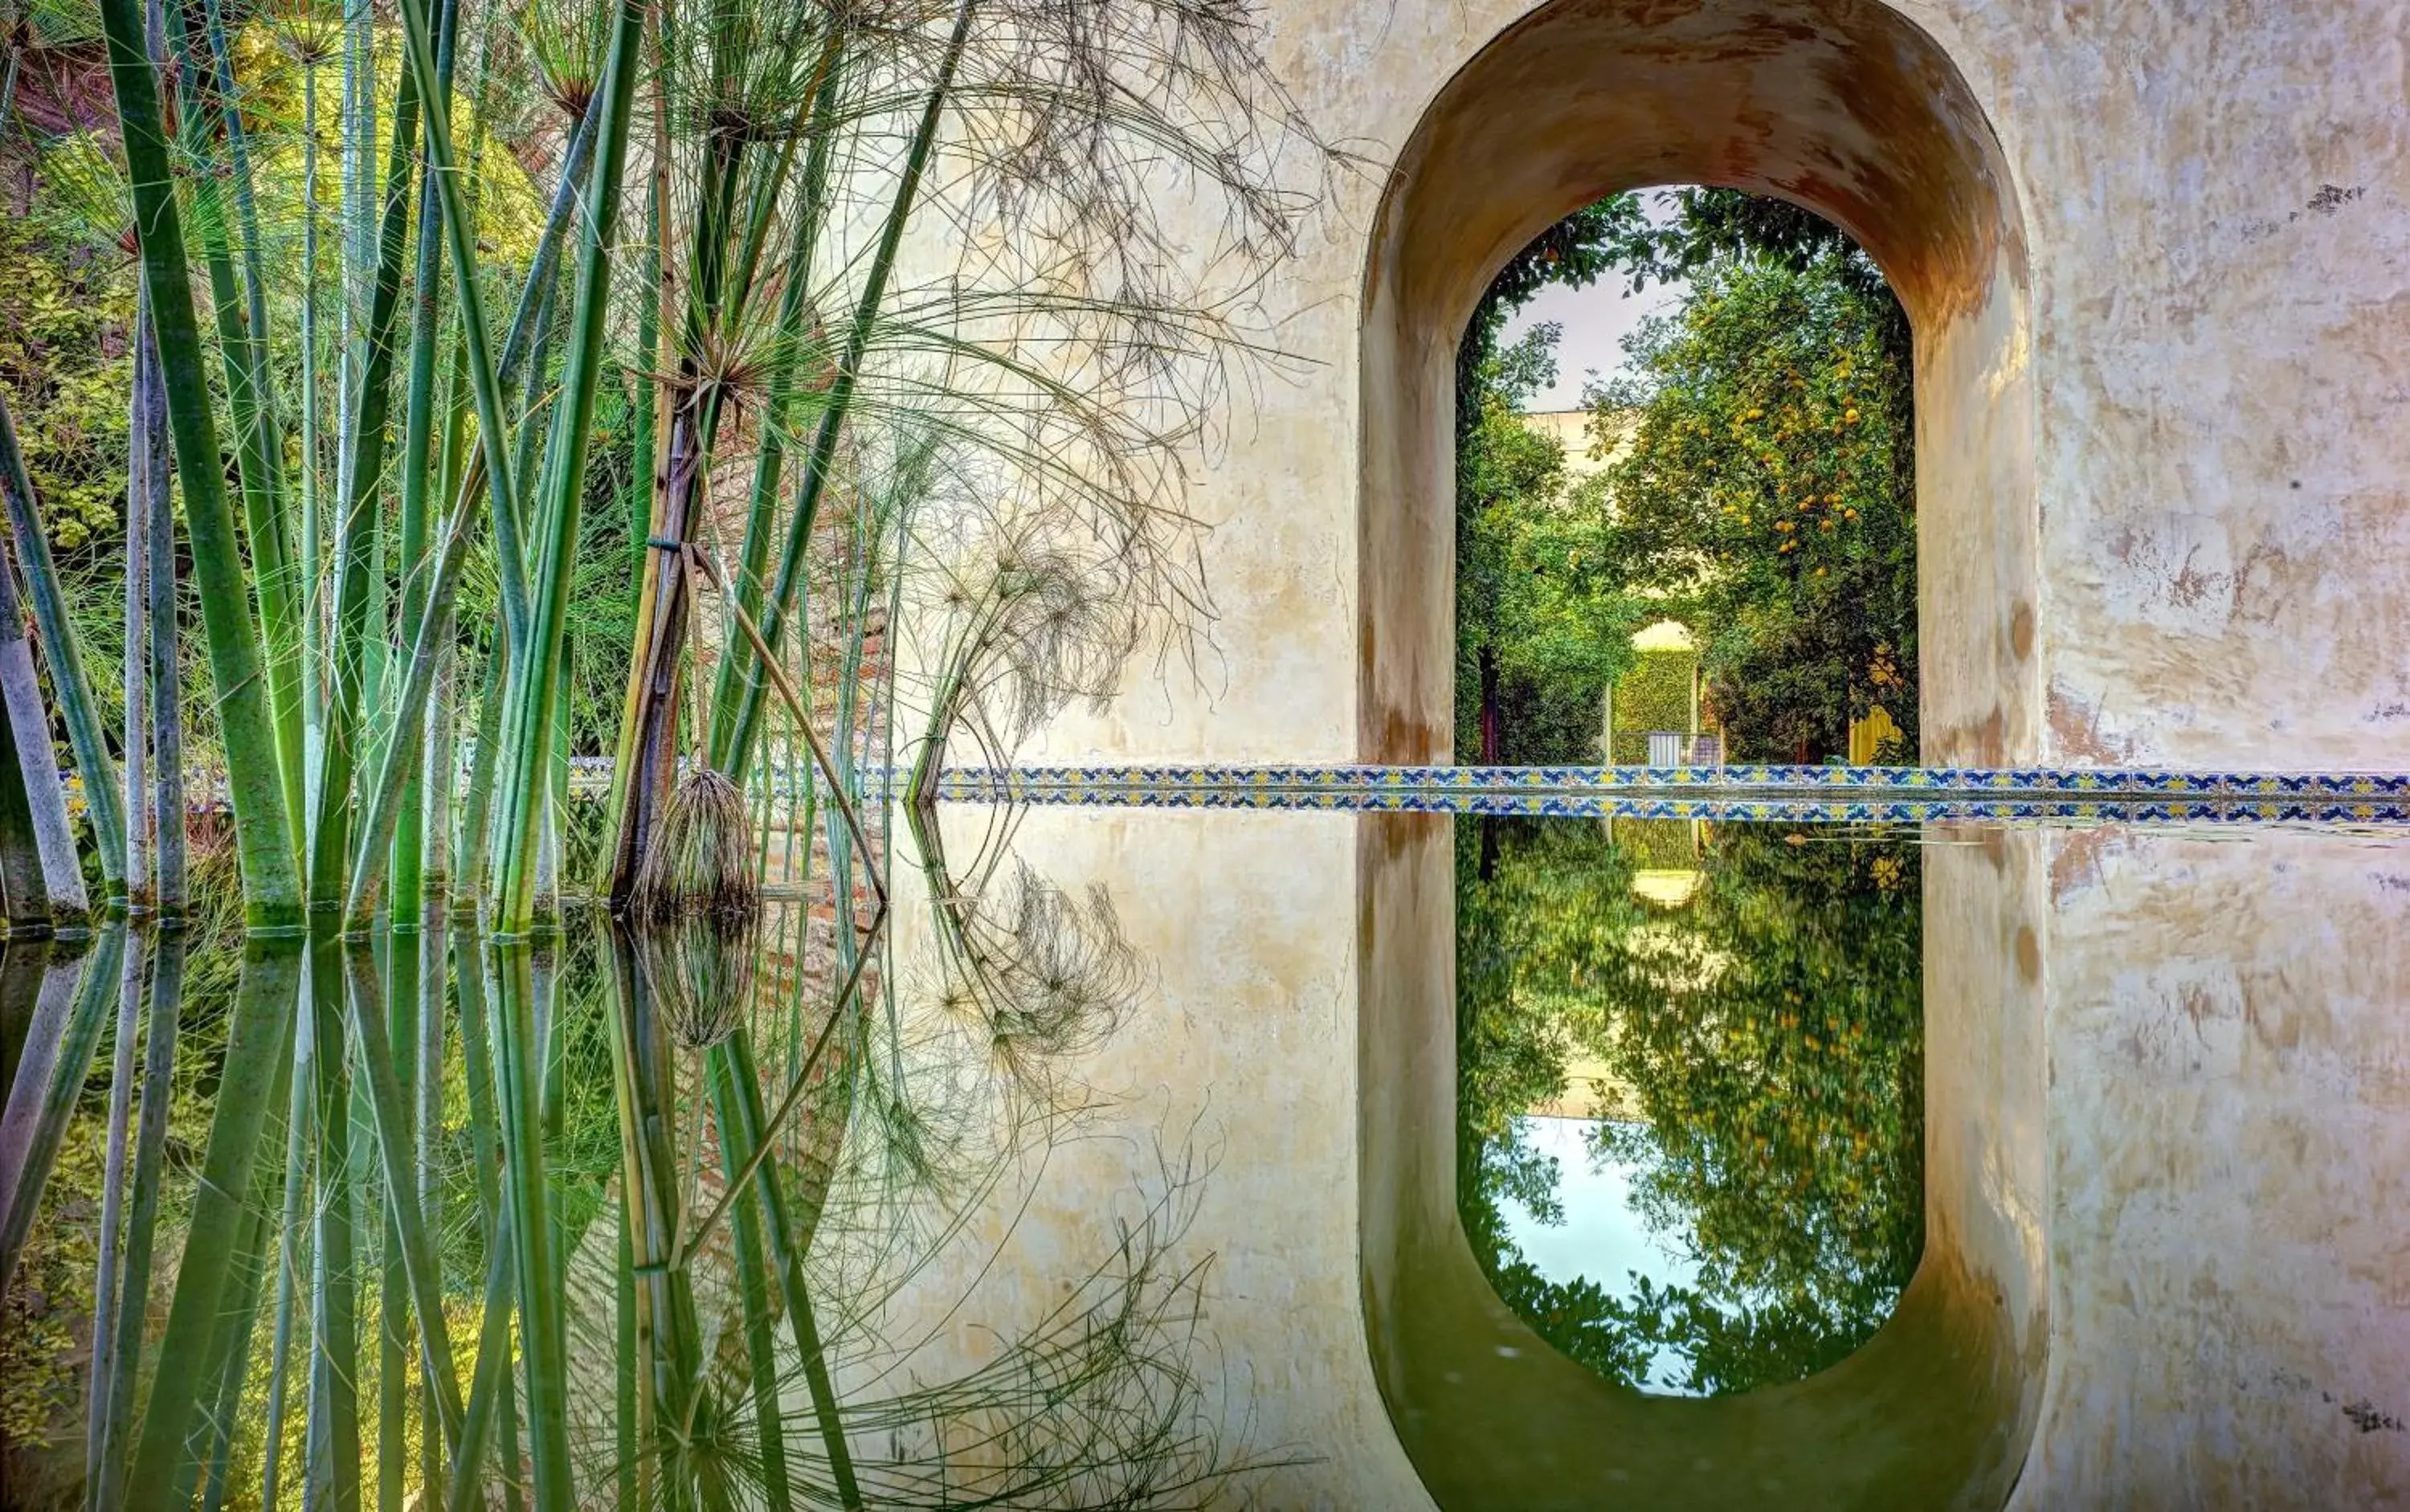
1844 106
1685 494
1844 109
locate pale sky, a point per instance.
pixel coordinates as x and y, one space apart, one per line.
1595 321
1604 1236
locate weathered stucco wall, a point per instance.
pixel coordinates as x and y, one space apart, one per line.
1235 1071
2162 391
2229 1223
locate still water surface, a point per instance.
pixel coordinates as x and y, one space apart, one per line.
1689 1062
1053 1187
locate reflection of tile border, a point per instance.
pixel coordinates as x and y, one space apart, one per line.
1806 795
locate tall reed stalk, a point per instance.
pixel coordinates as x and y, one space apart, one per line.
164 821
127 1330
528 715
262 820
419 469
70 1014
213 111
31 550
347 722
257 1054
334 1420
145 463
291 1250
311 48
99 1401
542 1339
29 725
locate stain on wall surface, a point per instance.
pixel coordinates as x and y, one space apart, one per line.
2229 1171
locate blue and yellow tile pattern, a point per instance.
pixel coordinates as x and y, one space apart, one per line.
1858 795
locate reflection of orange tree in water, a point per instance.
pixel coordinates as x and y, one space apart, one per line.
1769 1034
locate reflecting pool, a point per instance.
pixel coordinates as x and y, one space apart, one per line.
1303 1157
1690 1088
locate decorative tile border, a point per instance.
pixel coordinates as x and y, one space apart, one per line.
1866 794
1797 810
2073 781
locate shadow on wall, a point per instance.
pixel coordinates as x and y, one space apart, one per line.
1841 105
1846 108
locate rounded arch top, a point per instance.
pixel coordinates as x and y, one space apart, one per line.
1845 106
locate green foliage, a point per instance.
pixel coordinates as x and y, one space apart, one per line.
1771 1031
1575 253
1653 694
1544 885
1539 633
1712 228
65 309
1769 493
1539 626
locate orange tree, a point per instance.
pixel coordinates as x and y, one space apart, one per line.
1769 493
1777 1057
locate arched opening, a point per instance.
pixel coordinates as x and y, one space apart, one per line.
1847 109
1686 412
1851 111
1659 691
1690 1102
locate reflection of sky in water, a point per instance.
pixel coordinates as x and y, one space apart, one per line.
1604 1236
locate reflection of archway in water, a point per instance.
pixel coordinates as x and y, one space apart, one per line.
1844 106
1935 1410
